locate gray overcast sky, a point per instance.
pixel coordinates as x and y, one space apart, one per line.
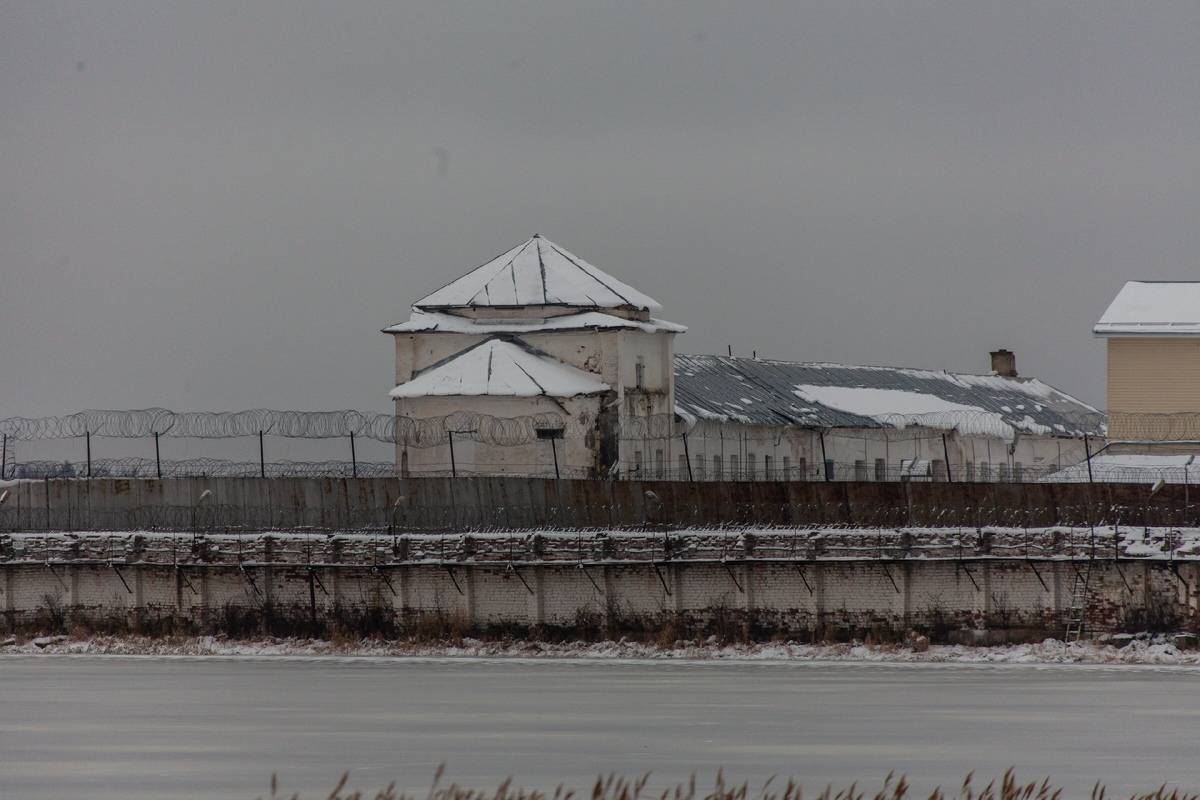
210 206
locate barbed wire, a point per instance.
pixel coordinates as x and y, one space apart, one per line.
1180 427
859 472
483 428
523 430
133 467
1122 473
512 431
424 432
928 472
145 423
833 472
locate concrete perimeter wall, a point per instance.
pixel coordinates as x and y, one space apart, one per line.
497 502
763 598
762 595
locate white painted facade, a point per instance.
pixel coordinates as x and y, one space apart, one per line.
737 451
615 412
571 316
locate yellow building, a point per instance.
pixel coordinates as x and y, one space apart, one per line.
1153 333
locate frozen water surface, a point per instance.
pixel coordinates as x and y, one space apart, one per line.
105 727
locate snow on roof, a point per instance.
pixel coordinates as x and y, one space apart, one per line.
876 403
762 392
537 272
502 368
439 322
1153 308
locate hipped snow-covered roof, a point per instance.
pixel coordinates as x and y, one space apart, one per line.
762 392
439 322
1153 308
501 368
537 273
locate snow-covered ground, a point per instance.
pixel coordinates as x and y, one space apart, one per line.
1143 649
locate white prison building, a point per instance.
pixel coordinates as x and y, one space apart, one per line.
539 363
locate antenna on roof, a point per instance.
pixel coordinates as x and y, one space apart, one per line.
730 350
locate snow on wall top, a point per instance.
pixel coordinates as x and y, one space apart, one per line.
1153 308
501 368
762 392
439 322
537 272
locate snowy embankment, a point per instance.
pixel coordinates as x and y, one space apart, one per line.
1143 649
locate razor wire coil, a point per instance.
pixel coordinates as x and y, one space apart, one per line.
411 432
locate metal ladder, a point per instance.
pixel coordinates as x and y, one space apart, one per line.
1077 610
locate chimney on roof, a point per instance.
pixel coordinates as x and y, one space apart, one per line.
1004 363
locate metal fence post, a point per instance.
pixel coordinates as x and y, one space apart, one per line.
687 458
1186 514
946 453
825 463
1088 452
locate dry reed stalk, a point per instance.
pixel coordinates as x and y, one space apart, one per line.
621 787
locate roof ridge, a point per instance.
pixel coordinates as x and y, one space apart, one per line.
842 365
578 284
475 269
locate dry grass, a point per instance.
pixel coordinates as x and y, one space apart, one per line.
619 787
